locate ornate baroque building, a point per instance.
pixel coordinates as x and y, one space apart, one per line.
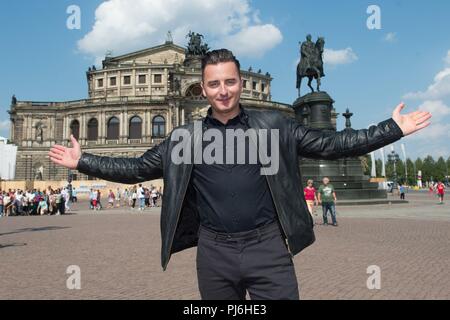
133 103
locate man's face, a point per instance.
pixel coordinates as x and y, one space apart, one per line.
222 86
325 181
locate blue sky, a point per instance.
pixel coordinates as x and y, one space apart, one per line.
42 60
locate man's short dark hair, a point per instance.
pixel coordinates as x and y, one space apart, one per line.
218 56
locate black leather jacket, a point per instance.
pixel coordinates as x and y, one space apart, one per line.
179 216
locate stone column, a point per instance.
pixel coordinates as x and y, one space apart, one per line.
125 128
169 119
166 76
104 127
51 128
119 82
146 127
133 81
28 127
65 135
150 81
121 128
83 129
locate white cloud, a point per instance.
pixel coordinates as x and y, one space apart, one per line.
335 57
254 41
432 133
447 58
434 139
437 108
440 87
391 37
438 90
126 25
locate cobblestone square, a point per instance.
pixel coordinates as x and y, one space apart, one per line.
118 252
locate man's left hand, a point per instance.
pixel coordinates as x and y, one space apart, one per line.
411 122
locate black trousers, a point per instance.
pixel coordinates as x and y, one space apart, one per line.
257 261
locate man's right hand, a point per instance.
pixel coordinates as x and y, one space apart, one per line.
67 157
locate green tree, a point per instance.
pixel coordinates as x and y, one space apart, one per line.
401 176
440 170
378 166
429 169
447 170
411 172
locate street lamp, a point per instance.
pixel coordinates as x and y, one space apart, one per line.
393 157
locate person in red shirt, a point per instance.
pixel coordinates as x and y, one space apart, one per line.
440 191
310 196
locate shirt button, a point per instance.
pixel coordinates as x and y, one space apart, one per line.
233 194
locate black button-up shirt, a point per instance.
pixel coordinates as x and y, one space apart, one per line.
232 197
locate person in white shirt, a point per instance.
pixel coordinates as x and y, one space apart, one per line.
141 197
66 198
43 206
19 202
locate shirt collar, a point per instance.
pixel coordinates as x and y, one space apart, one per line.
242 117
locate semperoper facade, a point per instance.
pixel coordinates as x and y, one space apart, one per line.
134 101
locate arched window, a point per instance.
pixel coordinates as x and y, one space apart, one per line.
158 127
195 92
135 128
92 130
112 132
75 129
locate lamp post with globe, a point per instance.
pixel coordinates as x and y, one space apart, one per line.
393 157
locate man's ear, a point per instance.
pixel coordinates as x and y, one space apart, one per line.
203 89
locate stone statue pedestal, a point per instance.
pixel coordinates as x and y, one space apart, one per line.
192 61
315 110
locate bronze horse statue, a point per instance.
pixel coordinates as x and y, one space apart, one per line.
311 64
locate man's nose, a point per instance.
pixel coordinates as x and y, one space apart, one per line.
223 89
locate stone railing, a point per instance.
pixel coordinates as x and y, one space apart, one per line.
92 101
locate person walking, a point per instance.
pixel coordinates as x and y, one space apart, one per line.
141 197
133 197
99 198
111 198
440 189
402 192
310 196
327 198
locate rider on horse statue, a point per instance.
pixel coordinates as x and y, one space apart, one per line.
311 63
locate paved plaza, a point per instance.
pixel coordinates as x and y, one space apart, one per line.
118 253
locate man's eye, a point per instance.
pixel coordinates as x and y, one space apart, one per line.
231 82
213 85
